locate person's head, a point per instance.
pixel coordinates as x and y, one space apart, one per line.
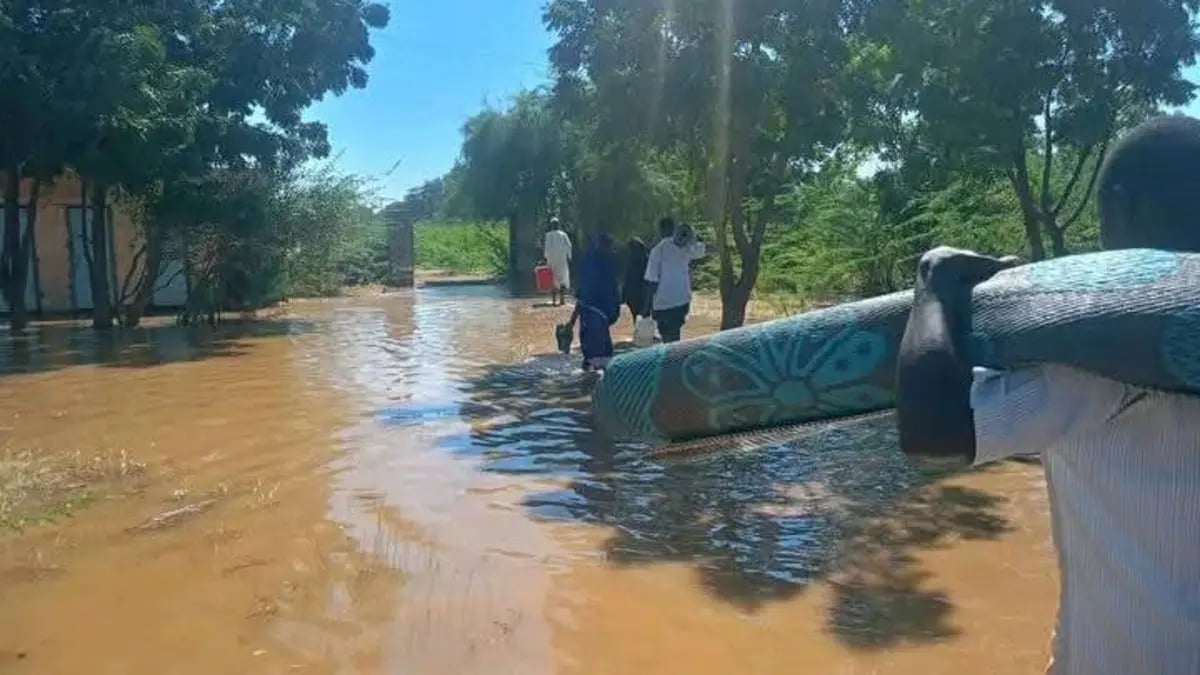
666 228
1149 187
603 242
684 235
552 225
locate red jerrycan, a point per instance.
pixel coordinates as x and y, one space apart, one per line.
543 278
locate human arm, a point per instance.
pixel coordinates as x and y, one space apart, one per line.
1025 411
933 375
651 278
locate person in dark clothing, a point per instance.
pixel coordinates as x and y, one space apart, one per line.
598 303
633 291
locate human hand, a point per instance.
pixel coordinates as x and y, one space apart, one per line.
933 375
945 268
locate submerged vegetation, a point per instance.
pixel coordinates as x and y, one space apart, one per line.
38 487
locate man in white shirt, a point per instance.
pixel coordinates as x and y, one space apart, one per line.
1122 462
669 277
556 249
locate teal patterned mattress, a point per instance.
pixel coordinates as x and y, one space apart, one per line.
1131 315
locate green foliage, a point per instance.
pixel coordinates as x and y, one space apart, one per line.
747 94
850 236
462 247
256 236
151 99
334 240
1025 90
988 123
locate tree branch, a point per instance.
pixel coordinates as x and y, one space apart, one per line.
1070 187
1047 155
1018 173
1083 202
171 279
738 215
126 293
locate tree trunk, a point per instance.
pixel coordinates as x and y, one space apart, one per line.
717 211
1058 238
102 314
1030 213
524 251
735 293
733 306
736 297
134 307
14 265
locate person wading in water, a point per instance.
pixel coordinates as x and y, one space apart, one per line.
669 278
633 291
598 303
556 249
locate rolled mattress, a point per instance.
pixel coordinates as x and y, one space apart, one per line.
1131 315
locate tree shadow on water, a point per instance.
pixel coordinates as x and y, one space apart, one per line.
839 505
55 346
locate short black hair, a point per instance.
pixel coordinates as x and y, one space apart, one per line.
666 227
1149 187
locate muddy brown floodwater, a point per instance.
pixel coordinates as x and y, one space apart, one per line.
408 484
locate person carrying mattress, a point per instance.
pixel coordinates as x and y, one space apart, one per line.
1122 462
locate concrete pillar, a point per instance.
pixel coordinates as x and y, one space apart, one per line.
401 248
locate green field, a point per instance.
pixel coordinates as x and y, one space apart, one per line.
462 247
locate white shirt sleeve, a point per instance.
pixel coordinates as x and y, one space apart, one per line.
548 245
654 265
1026 411
697 250
566 244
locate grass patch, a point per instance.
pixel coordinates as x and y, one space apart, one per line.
38 488
462 247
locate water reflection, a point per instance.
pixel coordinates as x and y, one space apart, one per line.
758 526
54 346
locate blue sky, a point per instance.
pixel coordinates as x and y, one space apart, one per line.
436 64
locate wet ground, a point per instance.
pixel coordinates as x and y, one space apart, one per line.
407 484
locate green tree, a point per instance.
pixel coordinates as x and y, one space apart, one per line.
1027 90
331 236
510 160
41 46
427 201
149 94
747 92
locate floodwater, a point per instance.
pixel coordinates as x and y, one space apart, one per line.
407 484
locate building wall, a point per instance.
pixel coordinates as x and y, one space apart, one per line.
52 243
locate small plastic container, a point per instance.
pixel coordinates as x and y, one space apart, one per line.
543 278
